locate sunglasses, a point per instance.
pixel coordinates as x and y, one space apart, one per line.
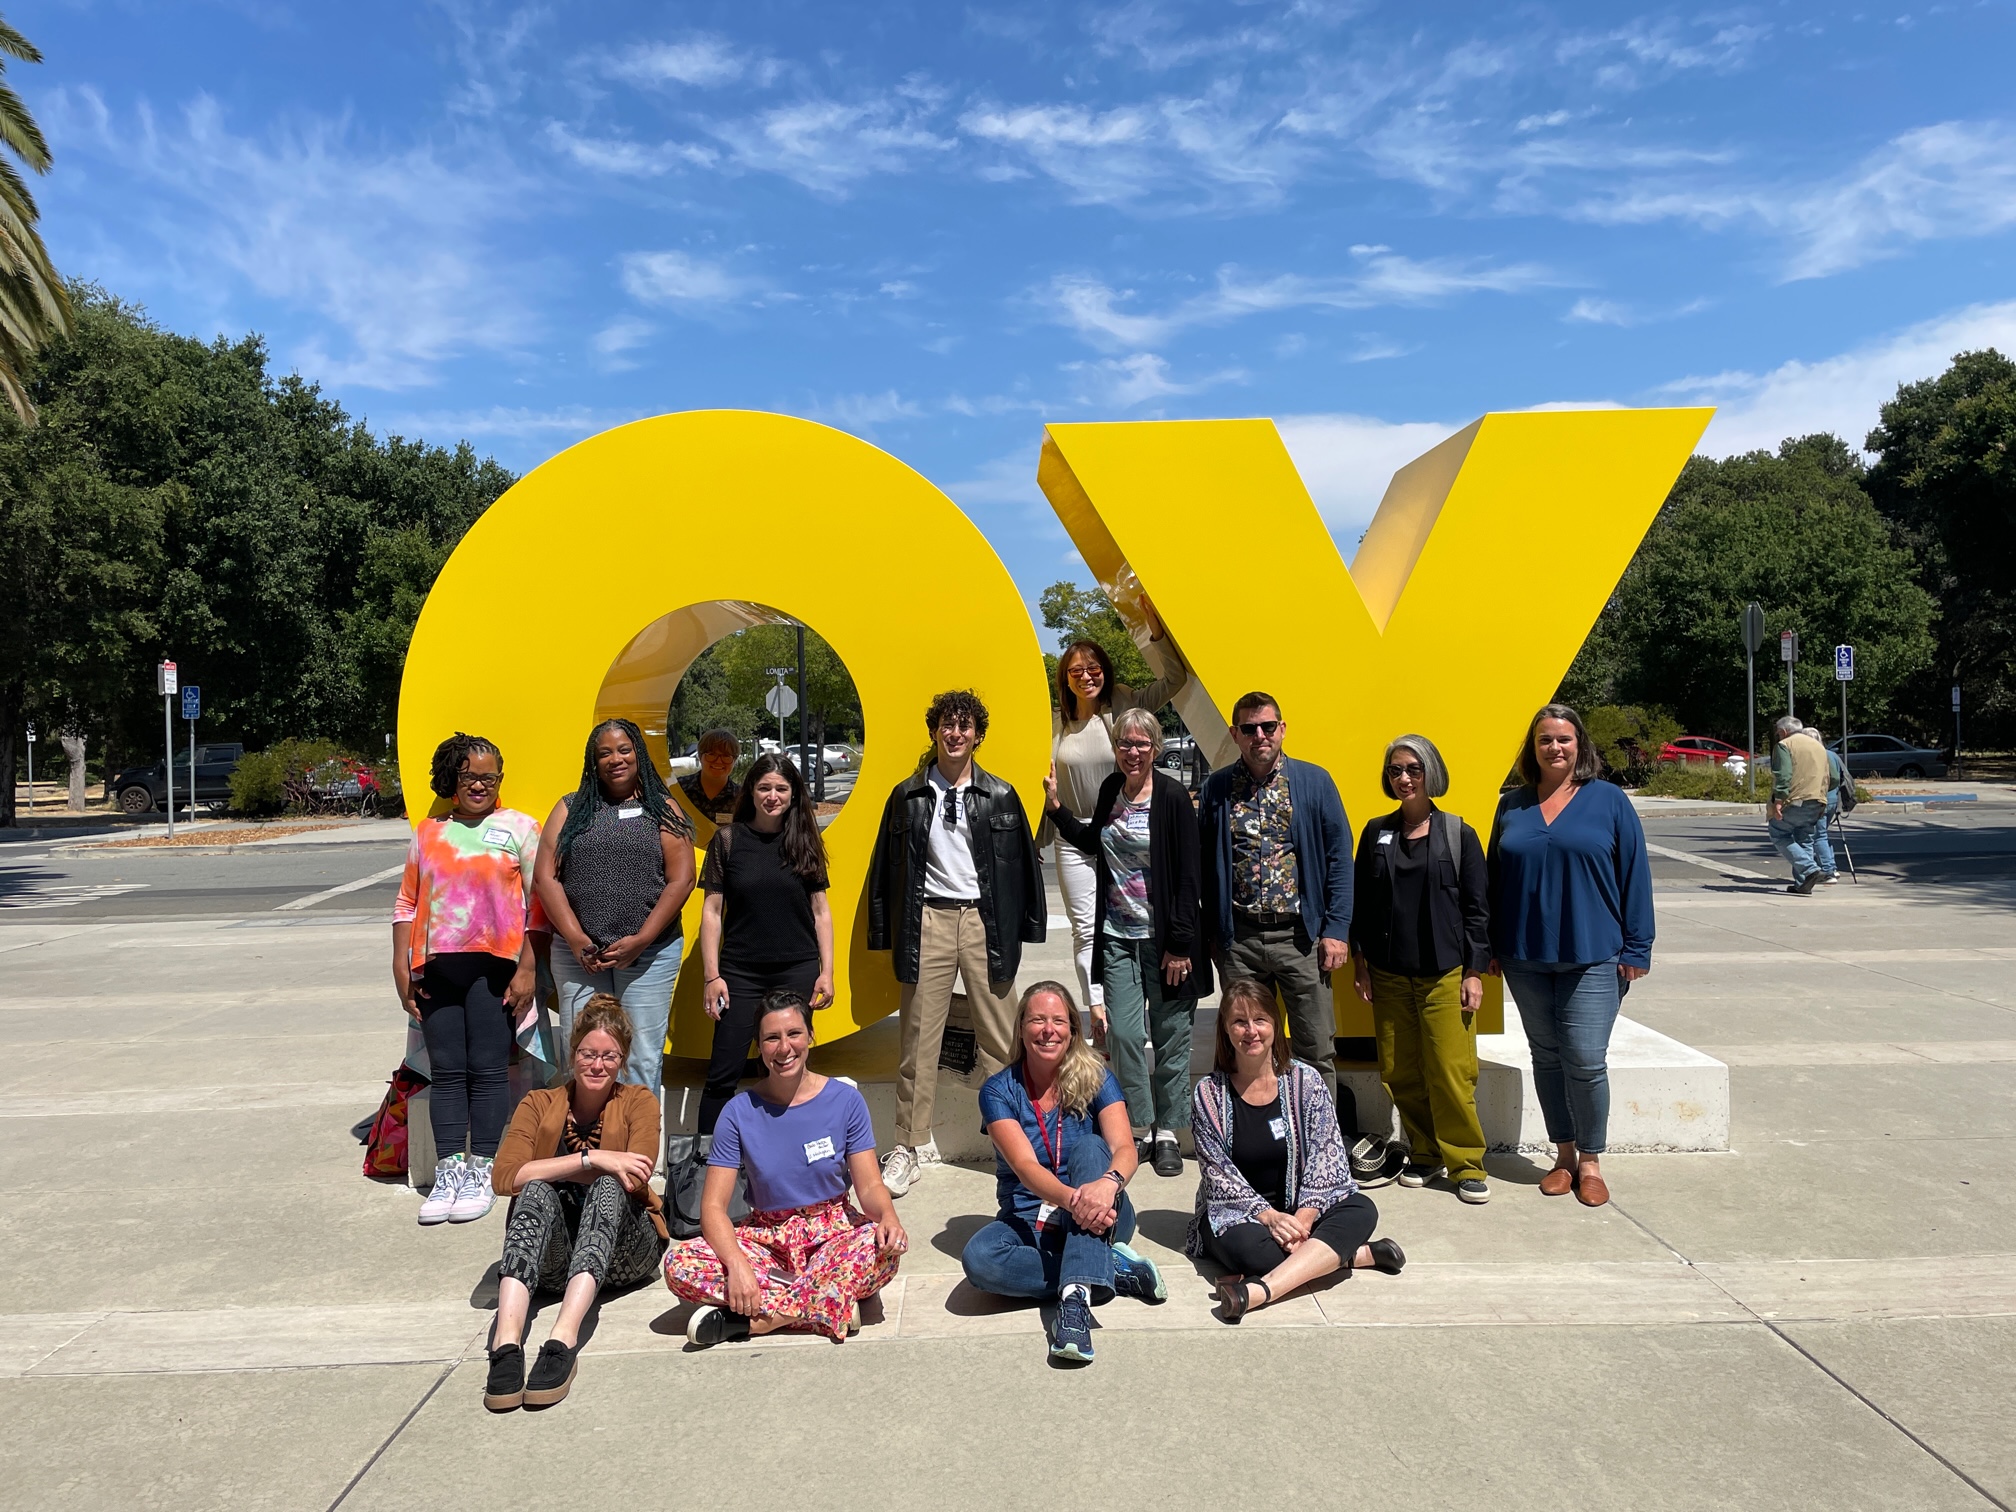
1409 770
951 809
1259 727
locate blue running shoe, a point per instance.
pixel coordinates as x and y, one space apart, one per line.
1072 1339
1135 1275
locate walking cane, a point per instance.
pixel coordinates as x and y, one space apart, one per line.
1842 830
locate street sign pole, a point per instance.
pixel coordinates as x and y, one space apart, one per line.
803 768
1753 637
1956 730
1844 674
169 682
1788 647
192 707
31 769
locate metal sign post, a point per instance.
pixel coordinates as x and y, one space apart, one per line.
169 682
1844 674
1753 637
780 701
1788 648
802 767
192 709
1956 730
31 769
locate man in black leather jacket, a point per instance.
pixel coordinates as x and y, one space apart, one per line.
954 888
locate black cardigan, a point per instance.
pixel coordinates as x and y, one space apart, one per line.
1175 878
1459 907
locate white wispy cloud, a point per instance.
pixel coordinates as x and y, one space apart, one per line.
1595 311
828 145
560 426
1843 393
1125 382
680 280
626 157
1954 179
614 343
862 413
394 250
1107 317
704 62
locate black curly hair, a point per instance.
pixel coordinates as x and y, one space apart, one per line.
452 755
588 798
957 701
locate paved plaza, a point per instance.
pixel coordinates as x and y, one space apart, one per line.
208 1306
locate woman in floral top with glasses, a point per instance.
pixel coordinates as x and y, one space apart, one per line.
462 963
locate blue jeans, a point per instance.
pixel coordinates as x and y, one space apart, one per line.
1010 1258
1823 847
645 987
1568 1009
1793 833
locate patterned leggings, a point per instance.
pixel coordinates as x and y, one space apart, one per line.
560 1230
814 1263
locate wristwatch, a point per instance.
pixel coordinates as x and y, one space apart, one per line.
1119 1181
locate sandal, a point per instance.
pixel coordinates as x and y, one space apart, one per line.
1232 1296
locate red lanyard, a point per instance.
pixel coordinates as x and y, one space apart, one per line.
1043 1129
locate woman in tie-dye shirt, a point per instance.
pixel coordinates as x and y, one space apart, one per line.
462 962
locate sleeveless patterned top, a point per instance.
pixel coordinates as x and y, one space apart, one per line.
615 872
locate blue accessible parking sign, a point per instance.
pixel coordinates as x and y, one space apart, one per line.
1844 664
192 701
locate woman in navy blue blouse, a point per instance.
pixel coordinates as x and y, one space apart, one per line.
1571 928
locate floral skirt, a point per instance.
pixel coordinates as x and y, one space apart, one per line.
813 1263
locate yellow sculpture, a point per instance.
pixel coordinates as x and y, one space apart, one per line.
1488 561
587 590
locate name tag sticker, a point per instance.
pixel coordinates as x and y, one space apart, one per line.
1278 1128
496 837
630 813
1386 837
819 1149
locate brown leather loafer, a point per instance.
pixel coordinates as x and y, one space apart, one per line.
1558 1182
1590 1190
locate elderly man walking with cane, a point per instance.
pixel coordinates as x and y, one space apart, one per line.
1799 782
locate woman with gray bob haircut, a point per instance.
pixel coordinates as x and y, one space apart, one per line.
1421 940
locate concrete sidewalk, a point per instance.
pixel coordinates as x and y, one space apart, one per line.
207 1305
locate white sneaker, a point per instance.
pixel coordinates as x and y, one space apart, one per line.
447 1187
475 1199
900 1170
927 1154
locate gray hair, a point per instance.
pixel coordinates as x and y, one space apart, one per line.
1434 774
1787 725
1129 720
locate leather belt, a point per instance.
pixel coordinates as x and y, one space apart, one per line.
1268 920
951 902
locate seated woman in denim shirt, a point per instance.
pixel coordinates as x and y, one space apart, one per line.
1063 1154
1276 1205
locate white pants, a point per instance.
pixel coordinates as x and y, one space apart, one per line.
1078 881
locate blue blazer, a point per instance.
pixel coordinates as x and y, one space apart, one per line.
1322 839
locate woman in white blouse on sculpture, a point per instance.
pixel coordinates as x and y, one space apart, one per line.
1081 746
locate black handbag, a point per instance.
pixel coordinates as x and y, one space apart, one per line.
684 1182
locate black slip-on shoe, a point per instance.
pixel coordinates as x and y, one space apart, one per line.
504 1389
1386 1256
552 1374
715 1325
1168 1159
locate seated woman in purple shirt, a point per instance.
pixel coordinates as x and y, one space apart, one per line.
805 1257
1571 928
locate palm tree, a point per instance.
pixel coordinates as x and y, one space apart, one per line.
33 303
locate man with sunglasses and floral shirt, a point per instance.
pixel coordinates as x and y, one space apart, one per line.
954 889
1277 877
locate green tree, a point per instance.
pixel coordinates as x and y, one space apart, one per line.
1795 532
745 658
34 306
1946 474
1085 614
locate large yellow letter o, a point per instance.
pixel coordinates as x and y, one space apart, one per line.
587 589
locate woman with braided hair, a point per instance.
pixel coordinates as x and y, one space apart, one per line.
462 963
612 881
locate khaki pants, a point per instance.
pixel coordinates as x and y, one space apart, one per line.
951 941
1428 1060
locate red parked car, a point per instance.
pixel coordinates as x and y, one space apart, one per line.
1703 749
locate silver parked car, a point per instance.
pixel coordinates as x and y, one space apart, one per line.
1887 756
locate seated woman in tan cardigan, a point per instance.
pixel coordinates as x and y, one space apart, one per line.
576 1163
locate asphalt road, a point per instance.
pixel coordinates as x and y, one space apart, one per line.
1973 849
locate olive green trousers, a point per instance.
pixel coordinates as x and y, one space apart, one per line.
1428 1061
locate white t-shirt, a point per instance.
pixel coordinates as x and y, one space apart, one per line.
948 853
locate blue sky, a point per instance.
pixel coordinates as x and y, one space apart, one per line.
941 226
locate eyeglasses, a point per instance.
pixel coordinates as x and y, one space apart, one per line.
478 779
1137 745
598 1057
1258 727
1088 673
1409 770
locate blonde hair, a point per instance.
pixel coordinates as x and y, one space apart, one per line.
1083 1072
605 1012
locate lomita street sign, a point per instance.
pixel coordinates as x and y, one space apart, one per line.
1844 664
